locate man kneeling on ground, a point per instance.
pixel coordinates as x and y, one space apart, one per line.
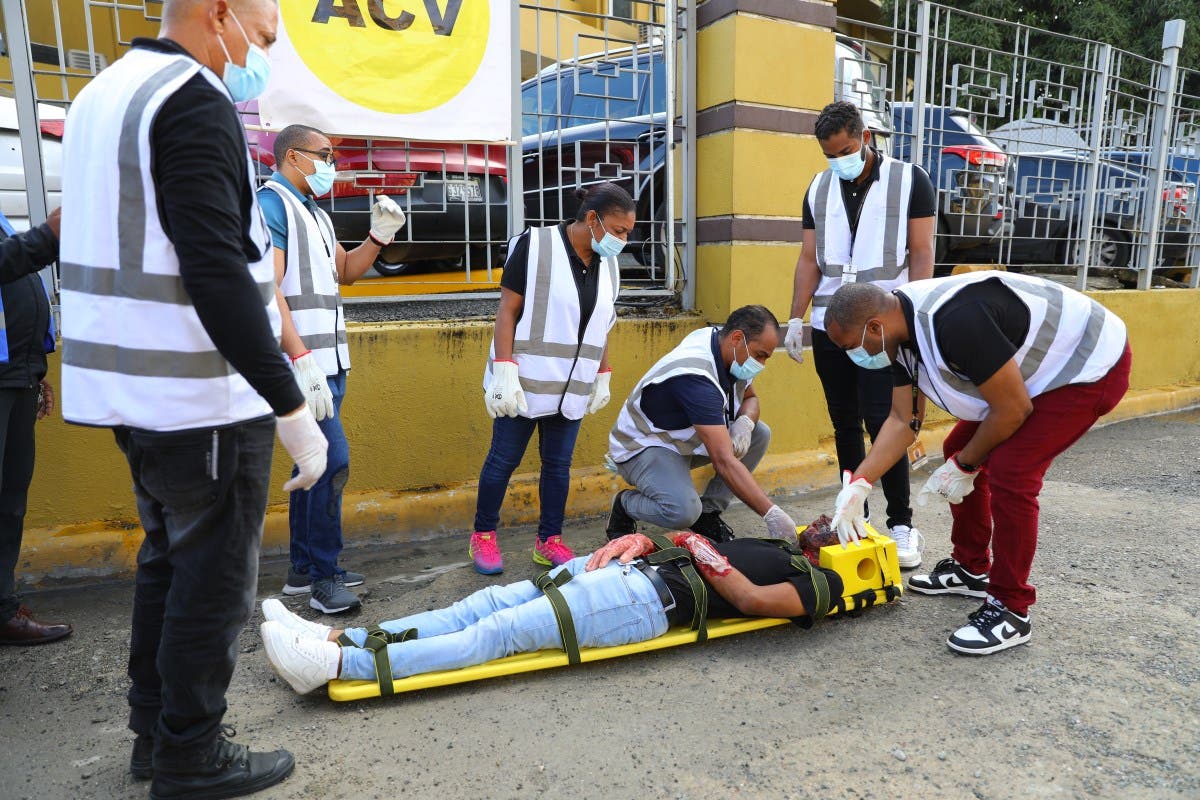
611 603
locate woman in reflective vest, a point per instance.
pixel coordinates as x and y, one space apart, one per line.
548 363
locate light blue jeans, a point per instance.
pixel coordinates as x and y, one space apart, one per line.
610 606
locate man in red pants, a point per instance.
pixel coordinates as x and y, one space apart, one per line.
1028 366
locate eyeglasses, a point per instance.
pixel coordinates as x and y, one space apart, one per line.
326 155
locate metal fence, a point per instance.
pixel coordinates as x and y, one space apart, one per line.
596 96
1048 152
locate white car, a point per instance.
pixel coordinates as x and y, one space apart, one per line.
13 201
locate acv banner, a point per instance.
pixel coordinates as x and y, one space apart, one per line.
432 70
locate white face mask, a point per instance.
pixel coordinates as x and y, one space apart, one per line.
850 167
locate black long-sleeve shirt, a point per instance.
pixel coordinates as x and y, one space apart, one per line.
26 308
205 196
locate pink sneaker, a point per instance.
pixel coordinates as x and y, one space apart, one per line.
485 551
552 552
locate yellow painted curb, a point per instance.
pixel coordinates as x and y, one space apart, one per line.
107 549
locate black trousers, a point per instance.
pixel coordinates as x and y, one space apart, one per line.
202 497
18 413
857 397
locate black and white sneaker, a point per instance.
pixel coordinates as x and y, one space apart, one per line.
990 629
619 521
300 583
949 577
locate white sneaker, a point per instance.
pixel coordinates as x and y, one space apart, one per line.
303 662
909 545
276 611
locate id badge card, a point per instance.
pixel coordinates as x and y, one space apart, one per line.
849 274
917 457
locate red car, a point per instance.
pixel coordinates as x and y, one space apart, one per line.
455 196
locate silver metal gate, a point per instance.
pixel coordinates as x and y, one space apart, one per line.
595 93
1069 162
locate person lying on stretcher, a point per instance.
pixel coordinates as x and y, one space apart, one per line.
614 597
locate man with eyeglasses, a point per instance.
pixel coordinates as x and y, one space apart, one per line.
310 264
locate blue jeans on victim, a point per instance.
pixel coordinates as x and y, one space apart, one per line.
609 606
556 446
315 516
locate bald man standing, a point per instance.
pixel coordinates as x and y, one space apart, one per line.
171 338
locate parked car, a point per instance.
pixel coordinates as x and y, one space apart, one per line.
968 171
601 118
1049 167
13 201
441 187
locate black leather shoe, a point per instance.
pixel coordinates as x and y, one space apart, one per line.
711 526
141 762
229 770
619 521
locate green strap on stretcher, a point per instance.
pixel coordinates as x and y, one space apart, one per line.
562 612
668 553
377 641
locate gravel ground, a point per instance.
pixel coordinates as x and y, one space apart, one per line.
1104 701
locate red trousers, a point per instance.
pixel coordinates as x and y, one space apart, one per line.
1002 511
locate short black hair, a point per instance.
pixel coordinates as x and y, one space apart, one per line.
838 117
293 137
855 303
750 320
603 198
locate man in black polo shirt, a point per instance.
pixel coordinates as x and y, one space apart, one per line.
868 218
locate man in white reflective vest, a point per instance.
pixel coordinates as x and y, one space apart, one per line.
171 338
868 218
696 407
310 264
1027 366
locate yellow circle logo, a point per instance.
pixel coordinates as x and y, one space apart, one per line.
393 56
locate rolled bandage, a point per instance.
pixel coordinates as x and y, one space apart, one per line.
710 563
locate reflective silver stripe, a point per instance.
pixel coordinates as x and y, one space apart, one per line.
556 387
3 326
137 285
891 227
145 363
949 378
821 300
819 202
867 275
319 341
312 302
131 213
642 422
1047 332
1084 350
557 350
299 234
541 289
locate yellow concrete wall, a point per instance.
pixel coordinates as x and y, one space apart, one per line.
415 418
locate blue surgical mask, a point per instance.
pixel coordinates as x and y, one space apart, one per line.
748 369
862 358
321 181
248 82
849 167
609 246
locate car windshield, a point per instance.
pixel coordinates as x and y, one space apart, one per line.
604 91
539 106
967 125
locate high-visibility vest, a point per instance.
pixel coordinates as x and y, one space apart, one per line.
310 283
878 253
557 368
1071 339
134 350
634 432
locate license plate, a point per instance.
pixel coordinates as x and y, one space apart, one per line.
463 191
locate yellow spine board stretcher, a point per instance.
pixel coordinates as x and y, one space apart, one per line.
870 574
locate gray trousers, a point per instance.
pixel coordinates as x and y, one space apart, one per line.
665 495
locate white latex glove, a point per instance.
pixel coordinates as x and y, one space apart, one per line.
311 380
386 219
849 519
504 395
794 340
780 525
739 433
949 481
600 392
304 442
